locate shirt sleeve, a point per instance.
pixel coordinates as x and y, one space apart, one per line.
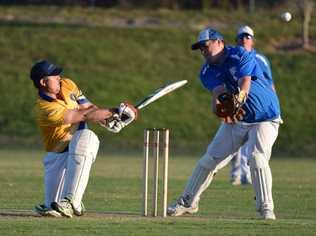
247 64
52 115
266 66
208 80
80 98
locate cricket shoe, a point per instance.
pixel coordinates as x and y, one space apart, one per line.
64 207
235 181
245 179
181 207
81 211
42 210
267 214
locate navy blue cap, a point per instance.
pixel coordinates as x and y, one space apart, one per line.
205 35
44 68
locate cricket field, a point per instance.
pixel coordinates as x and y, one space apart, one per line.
113 199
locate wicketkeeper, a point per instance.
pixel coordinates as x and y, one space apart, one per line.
249 109
240 171
62 113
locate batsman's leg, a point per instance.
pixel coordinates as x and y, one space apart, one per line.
54 169
83 149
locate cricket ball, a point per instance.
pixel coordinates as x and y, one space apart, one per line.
286 16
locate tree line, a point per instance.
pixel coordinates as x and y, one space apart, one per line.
169 4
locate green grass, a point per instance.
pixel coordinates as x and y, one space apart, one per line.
115 187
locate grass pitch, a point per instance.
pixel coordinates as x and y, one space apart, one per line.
114 192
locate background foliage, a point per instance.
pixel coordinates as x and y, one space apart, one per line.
113 61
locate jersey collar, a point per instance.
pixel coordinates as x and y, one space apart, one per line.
45 97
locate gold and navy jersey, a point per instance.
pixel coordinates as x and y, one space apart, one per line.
50 116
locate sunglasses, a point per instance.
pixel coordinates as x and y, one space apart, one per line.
247 36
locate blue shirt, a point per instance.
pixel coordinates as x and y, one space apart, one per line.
262 103
265 66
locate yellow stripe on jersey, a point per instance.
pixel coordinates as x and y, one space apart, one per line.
50 116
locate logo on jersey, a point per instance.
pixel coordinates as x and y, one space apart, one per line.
204 69
236 57
73 97
233 71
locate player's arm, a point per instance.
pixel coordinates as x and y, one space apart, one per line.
86 105
91 113
244 84
245 69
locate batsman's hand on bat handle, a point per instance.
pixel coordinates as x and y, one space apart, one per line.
127 112
122 116
113 123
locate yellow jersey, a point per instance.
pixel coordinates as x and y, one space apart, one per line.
50 116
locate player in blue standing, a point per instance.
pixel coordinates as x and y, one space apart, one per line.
249 108
240 171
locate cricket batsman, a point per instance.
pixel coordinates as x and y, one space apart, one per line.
62 115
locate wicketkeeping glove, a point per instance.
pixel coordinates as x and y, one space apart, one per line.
230 108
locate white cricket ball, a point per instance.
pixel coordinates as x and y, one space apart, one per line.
286 16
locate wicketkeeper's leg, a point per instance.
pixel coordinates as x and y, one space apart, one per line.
260 143
218 155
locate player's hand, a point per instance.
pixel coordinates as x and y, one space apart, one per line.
121 117
127 113
229 109
113 123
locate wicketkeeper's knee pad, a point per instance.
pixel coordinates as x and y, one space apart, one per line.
262 181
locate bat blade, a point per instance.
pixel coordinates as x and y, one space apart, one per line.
160 92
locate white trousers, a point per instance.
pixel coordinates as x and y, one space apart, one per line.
258 138
239 167
54 172
66 174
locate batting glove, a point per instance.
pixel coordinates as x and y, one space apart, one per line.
127 113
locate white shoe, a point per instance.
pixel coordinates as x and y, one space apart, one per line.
64 207
81 211
245 179
268 214
236 181
42 210
180 207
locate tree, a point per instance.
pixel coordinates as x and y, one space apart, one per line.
305 8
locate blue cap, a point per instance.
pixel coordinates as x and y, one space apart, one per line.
205 35
44 68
